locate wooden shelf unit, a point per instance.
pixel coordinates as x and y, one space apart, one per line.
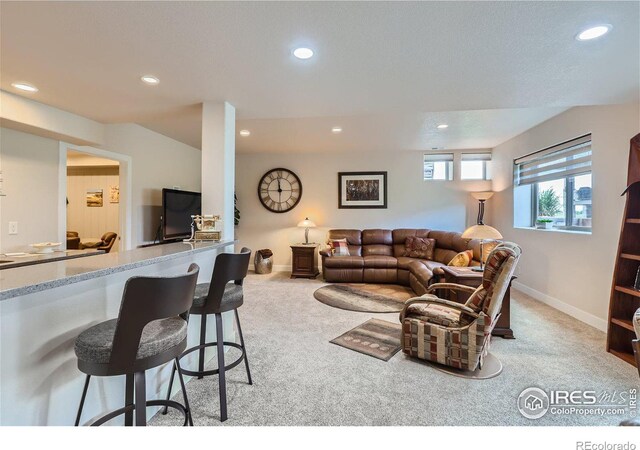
625 300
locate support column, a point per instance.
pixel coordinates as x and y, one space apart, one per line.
219 162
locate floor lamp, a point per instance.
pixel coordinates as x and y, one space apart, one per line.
480 230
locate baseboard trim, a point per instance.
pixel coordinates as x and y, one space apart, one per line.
574 312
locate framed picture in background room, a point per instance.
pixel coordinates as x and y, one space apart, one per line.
362 189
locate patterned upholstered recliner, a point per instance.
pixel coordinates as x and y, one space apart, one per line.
455 334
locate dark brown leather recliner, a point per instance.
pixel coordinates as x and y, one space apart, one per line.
376 256
106 242
108 239
73 240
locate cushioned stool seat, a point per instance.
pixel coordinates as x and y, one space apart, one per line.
231 299
94 345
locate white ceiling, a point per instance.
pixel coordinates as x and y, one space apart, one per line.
387 69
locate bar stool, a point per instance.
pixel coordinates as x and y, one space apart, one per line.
151 330
218 297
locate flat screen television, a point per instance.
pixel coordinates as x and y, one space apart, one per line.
177 208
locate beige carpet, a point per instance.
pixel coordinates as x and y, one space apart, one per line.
300 378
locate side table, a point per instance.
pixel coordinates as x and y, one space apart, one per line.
468 277
304 261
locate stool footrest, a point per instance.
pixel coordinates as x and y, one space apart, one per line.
204 373
120 411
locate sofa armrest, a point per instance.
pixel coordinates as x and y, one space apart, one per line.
326 252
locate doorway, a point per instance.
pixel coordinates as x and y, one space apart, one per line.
93 200
94 197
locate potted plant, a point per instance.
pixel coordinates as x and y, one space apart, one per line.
544 223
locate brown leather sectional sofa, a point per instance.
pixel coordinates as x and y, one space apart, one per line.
376 257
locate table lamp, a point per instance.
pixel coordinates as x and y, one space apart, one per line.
482 232
481 197
306 224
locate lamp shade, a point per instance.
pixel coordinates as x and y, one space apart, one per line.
306 223
481 232
482 195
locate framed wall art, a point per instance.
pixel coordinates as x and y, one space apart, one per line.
94 198
362 190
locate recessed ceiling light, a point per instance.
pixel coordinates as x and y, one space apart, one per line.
336 130
24 86
303 53
593 32
245 133
442 126
150 79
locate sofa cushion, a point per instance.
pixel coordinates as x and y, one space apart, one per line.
436 314
353 237
377 249
344 262
435 267
377 236
421 272
415 247
380 262
339 247
443 255
405 261
462 259
400 236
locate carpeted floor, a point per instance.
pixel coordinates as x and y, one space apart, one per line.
300 378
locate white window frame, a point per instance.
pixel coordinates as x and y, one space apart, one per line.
440 157
485 157
563 161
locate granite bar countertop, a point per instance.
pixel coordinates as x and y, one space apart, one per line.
29 259
29 279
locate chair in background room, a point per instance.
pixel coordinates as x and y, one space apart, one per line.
73 240
223 294
106 242
151 330
458 335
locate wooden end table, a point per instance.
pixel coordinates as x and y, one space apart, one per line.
468 277
304 261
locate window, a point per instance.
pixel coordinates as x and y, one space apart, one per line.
475 166
552 187
438 166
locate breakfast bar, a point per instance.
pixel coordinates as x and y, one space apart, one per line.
44 307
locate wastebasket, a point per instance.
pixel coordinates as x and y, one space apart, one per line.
263 261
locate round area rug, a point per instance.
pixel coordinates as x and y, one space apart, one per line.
364 297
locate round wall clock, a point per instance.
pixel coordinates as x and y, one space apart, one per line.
279 190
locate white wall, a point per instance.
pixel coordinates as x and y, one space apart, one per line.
30 166
92 222
157 162
572 272
34 117
412 202
30 172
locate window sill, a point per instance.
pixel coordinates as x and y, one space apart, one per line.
555 230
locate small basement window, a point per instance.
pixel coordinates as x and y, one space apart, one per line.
475 166
438 166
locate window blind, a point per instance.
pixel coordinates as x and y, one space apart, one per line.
435 157
476 157
570 158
